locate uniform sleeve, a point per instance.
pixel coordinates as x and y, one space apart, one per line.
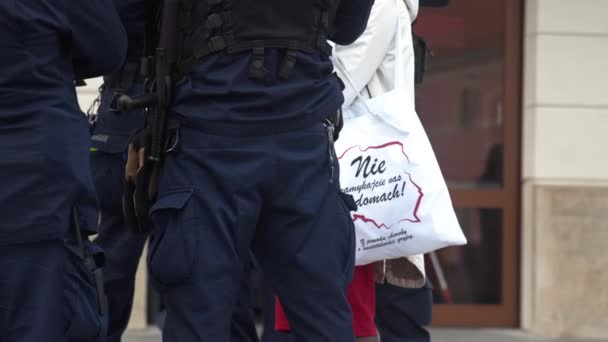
362 59
434 3
351 20
98 38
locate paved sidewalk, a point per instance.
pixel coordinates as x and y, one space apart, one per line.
438 335
473 335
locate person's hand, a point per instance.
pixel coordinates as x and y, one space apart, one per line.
140 182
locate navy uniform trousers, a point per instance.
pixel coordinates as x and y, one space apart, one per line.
50 295
278 192
402 314
31 296
122 247
123 250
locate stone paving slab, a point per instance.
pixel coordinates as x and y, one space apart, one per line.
437 335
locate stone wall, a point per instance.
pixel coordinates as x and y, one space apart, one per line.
569 292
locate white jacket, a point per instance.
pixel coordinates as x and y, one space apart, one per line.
370 62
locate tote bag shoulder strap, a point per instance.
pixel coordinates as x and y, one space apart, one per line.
399 60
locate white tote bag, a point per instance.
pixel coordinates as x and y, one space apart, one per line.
388 165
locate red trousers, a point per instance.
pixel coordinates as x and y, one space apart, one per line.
361 296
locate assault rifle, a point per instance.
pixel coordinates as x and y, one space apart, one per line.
158 68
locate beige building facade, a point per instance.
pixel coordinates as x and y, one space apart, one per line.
560 254
565 169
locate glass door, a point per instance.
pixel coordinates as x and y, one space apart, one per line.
469 103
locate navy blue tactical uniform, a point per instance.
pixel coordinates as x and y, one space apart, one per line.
110 138
255 167
44 143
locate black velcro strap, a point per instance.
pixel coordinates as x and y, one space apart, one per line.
323 28
289 62
214 21
323 4
227 18
256 66
324 22
214 44
234 47
323 45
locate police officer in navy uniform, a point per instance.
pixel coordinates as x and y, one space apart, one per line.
110 136
252 164
111 132
44 147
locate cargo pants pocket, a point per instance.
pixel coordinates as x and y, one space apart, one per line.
173 241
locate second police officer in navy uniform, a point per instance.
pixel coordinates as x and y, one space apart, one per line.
110 136
47 292
250 162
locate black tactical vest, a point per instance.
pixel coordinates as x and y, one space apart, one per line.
230 26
